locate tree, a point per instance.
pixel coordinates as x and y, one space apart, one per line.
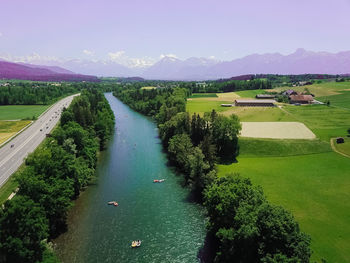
67 116
180 148
178 124
209 150
53 194
248 228
280 233
23 228
224 196
225 132
199 169
198 129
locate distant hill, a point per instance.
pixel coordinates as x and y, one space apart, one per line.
55 69
171 68
10 70
299 62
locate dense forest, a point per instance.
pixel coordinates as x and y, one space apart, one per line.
53 176
244 225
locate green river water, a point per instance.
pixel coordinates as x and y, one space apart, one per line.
171 227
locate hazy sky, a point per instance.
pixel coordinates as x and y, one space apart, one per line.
142 30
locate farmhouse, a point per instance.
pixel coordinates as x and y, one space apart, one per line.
289 92
265 96
255 103
302 99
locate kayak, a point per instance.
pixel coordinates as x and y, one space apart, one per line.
136 243
113 203
158 180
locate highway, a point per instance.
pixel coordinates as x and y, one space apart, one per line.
14 152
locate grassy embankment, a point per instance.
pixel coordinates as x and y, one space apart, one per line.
304 176
7 189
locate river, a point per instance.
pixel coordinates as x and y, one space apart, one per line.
171 227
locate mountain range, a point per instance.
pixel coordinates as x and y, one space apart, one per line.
171 68
299 62
24 71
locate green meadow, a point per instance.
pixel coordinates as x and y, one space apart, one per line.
314 187
255 147
201 106
17 112
326 122
341 100
250 93
259 114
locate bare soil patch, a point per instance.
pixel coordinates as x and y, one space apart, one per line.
276 130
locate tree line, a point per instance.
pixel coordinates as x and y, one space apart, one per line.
53 176
43 93
244 225
227 85
26 93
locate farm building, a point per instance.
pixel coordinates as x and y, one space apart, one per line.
289 92
340 140
265 96
255 103
302 99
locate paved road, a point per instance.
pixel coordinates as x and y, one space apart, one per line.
13 153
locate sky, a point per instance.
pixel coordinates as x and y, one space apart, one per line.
140 32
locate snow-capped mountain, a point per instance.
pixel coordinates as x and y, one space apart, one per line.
172 68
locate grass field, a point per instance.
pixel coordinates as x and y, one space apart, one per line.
10 128
148 87
249 93
259 114
341 100
250 147
17 112
200 106
325 122
315 188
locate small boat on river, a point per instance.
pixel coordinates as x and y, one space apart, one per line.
113 203
158 180
136 243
